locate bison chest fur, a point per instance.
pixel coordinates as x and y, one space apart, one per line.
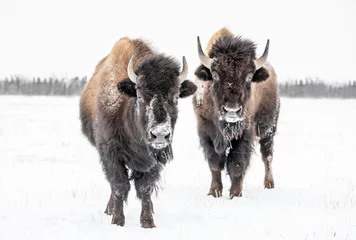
117 133
220 134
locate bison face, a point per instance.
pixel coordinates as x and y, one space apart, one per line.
156 87
231 69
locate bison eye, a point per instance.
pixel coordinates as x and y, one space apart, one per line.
215 76
249 77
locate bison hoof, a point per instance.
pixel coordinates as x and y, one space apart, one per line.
235 193
215 189
109 210
148 223
215 192
269 183
118 220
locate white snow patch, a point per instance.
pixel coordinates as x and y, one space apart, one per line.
163 127
152 123
199 95
52 185
149 112
110 97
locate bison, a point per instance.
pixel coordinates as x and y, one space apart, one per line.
128 112
237 102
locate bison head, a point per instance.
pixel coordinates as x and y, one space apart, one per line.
156 85
231 68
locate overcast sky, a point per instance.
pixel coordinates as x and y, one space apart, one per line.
66 37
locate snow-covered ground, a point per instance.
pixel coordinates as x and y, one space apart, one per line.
52 185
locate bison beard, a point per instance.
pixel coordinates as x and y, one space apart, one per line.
225 133
162 155
231 131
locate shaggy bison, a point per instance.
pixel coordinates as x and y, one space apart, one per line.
128 111
237 99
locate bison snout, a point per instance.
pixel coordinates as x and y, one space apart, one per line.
160 136
232 110
232 115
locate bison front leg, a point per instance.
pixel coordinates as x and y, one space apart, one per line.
117 175
236 172
216 165
238 161
145 184
120 186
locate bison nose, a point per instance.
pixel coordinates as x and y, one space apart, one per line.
232 115
160 135
232 110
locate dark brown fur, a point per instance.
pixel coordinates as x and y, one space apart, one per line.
114 119
231 145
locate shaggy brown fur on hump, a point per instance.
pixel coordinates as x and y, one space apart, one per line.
110 70
219 34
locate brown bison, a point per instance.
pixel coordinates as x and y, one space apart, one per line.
128 111
237 99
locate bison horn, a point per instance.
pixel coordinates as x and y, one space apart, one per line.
205 60
183 75
262 60
130 70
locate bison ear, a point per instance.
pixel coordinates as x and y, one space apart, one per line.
127 87
260 75
203 73
187 88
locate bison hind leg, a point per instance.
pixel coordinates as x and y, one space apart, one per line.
266 148
110 206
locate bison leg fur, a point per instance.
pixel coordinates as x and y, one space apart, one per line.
216 165
266 129
110 206
117 175
267 157
238 161
145 184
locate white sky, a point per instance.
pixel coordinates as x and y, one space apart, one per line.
66 38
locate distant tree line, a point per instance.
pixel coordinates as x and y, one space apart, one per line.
48 86
307 88
310 88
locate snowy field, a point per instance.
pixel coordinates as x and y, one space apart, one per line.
52 185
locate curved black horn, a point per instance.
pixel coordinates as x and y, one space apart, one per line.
205 60
130 70
183 75
262 60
